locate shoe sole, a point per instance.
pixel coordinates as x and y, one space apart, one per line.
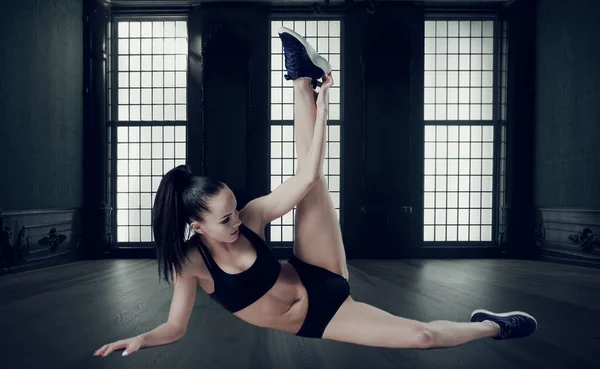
314 57
503 314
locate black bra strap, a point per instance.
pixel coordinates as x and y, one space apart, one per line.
207 258
251 236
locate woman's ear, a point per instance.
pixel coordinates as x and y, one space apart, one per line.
196 227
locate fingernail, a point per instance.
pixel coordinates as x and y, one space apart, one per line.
124 353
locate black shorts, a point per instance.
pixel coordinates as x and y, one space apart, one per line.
326 290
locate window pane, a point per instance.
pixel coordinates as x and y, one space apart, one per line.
161 51
147 93
461 54
458 168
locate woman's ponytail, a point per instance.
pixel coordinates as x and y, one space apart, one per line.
180 198
169 221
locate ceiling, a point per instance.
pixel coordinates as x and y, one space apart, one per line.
195 2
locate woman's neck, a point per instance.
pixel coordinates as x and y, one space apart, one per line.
215 246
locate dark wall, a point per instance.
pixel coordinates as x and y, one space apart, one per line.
41 104
567 162
520 220
229 77
383 66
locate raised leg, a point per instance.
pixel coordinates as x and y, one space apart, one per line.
363 324
318 238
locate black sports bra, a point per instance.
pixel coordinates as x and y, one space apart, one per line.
236 291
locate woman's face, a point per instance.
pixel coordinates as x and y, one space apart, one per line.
221 223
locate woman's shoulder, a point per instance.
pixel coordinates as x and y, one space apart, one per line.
195 264
252 222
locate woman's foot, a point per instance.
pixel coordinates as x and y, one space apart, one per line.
513 324
301 60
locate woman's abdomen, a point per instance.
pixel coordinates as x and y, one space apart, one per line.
283 307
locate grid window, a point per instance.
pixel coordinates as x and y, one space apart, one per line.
150 117
144 155
458 182
325 37
152 71
459 63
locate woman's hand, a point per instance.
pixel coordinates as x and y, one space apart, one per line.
130 345
323 95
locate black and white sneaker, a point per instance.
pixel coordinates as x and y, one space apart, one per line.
514 324
301 60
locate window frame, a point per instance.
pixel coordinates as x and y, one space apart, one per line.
495 122
114 123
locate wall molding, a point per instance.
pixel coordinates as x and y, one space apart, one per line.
36 211
22 231
555 225
570 210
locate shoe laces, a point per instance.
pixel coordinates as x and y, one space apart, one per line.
512 323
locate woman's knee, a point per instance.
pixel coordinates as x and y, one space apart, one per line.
425 338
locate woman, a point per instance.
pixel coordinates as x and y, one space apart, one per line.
308 295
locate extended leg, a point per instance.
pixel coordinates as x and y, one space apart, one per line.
360 323
318 238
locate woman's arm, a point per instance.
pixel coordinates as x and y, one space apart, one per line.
182 303
164 334
184 296
289 193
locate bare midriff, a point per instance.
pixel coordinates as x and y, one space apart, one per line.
283 307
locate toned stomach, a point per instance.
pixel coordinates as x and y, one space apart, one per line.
283 307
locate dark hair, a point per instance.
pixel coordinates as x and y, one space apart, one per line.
180 199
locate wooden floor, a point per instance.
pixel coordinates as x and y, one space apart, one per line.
57 317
